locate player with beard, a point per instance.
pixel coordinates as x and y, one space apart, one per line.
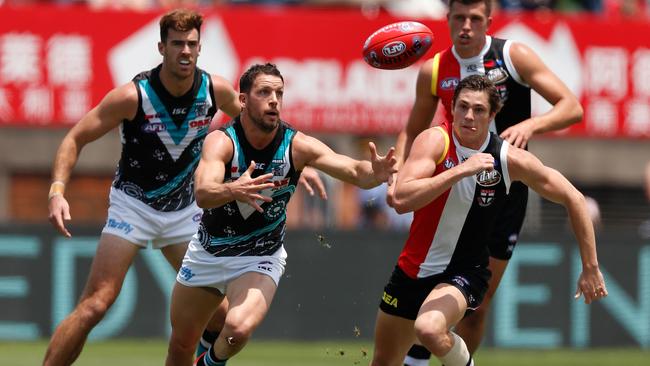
247 174
163 115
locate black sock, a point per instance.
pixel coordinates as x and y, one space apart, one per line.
420 352
213 360
210 336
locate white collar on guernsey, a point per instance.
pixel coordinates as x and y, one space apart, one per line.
476 59
465 153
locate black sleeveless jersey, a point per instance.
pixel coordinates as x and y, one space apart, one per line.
236 228
494 62
161 146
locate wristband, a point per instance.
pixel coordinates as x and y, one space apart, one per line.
56 189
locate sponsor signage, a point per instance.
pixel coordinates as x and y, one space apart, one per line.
53 68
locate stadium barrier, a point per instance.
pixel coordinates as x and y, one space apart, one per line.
332 287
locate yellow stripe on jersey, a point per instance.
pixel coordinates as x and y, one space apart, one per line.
444 152
434 74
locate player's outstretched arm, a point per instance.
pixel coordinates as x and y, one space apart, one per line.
552 185
209 188
416 183
119 104
308 151
566 107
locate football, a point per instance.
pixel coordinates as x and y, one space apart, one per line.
397 45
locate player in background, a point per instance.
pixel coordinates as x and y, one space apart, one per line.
456 178
516 70
245 178
163 115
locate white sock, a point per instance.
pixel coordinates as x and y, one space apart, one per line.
458 355
410 361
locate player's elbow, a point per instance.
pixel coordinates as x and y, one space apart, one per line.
202 197
574 199
401 204
577 112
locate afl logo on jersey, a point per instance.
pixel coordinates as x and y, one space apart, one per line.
488 179
449 84
154 127
497 76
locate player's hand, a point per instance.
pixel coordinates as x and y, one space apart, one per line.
309 178
591 284
383 167
59 212
247 189
478 163
519 134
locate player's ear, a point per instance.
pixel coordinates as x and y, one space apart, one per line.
242 100
160 48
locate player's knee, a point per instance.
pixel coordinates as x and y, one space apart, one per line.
94 308
179 345
433 334
238 330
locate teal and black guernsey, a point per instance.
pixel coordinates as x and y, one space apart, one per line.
161 146
236 228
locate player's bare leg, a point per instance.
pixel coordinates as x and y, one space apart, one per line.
393 337
249 297
191 309
109 267
213 329
472 327
174 255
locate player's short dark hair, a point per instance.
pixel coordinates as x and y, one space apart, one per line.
181 20
488 4
480 83
248 78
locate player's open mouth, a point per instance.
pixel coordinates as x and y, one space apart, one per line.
184 62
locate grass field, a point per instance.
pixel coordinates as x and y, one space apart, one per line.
265 353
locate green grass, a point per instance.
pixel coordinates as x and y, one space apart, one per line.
265 353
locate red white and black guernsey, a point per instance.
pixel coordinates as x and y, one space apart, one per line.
450 233
494 62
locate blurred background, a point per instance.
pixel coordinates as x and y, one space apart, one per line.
58 59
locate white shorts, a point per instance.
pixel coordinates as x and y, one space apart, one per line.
202 269
132 220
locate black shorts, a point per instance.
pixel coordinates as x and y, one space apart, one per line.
508 224
403 296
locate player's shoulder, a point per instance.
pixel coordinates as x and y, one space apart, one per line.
123 95
520 51
434 135
218 140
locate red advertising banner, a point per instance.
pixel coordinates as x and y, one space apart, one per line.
57 62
